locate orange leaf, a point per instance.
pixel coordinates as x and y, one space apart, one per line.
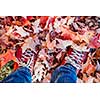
50 44
8 56
89 69
15 66
67 34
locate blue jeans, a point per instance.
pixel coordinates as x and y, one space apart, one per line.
62 74
21 75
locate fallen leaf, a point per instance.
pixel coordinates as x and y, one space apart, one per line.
15 66
95 42
8 56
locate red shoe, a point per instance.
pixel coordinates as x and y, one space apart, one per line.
76 57
28 59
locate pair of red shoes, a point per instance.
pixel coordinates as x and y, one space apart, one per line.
75 57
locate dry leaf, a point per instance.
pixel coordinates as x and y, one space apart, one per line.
8 56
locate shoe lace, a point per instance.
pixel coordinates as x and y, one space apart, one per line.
29 55
76 58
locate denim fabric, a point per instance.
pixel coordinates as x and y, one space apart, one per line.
64 74
22 75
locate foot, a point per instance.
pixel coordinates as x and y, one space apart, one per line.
27 59
76 57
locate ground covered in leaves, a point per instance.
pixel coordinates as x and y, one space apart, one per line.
48 37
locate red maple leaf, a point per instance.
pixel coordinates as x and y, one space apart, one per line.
43 20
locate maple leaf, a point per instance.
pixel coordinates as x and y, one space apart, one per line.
39 70
20 31
50 44
52 20
88 67
8 56
29 17
30 43
87 36
43 20
67 34
63 43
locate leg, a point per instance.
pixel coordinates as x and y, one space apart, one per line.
67 72
22 75
64 74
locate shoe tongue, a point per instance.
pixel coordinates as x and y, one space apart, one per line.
25 60
70 51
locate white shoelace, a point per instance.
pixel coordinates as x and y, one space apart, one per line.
76 58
